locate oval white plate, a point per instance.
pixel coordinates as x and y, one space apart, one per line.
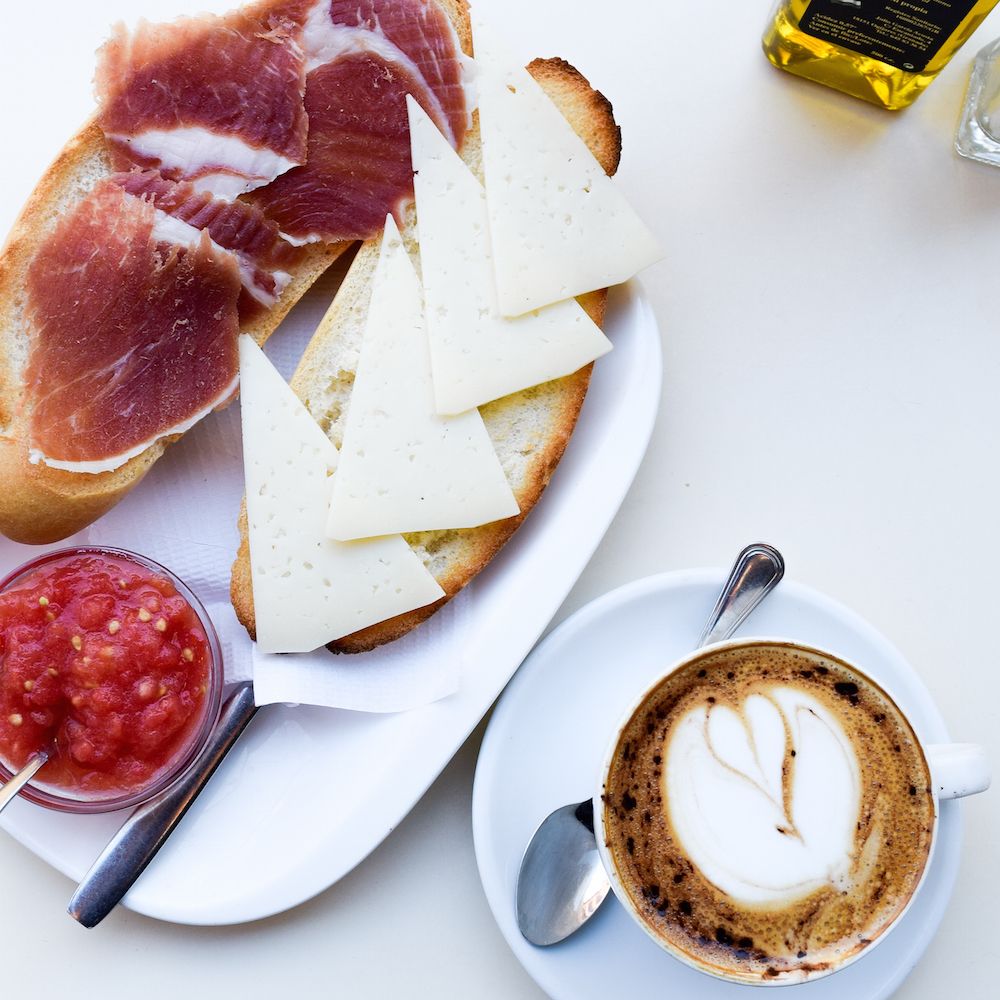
544 745
307 793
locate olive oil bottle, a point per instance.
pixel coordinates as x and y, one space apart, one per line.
883 51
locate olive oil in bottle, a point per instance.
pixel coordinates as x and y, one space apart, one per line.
883 51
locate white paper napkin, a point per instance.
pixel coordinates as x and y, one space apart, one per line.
184 515
422 667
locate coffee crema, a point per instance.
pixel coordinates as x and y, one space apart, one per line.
769 811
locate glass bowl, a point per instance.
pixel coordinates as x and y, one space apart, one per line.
64 799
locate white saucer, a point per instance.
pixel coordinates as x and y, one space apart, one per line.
543 749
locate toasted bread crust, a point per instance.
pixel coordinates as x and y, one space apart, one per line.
591 115
39 504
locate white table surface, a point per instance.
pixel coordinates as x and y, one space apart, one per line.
832 365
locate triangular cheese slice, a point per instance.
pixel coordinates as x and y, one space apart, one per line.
402 466
476 354
308 589
559 225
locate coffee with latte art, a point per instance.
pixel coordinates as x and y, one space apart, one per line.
769 812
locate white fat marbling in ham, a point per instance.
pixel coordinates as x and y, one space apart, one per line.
169 229
758 835
223 165
323 41
263 257
95 467
362 58
216 100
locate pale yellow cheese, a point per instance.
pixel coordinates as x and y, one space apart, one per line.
477 355
403 467
559 226
308 589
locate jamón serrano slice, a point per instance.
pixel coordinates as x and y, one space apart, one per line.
214 100
363 57
263 256
133 337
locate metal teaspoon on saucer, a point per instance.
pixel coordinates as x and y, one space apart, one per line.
561 881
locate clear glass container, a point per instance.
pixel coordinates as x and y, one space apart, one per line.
64 799
978 135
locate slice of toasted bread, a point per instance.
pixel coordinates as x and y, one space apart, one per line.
529 429
39 504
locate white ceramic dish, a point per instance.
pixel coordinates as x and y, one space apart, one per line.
544 745
242 854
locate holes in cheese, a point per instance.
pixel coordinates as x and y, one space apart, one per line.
477 354
309 589
559 225
403 467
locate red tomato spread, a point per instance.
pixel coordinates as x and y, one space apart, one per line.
104 664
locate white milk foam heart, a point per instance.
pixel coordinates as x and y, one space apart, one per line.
757 835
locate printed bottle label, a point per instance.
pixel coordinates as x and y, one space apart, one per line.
906 34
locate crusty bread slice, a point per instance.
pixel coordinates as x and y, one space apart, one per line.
39 504
529 429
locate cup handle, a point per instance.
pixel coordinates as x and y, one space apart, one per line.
958 769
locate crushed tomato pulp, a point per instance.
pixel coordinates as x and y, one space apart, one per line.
106 665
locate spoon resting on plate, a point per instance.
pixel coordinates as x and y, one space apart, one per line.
561 881
17 781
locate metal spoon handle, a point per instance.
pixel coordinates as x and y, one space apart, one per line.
17 781
145 831
756 572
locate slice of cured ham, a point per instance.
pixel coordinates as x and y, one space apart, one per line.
363 58
242 228
414 34
214 100
133 337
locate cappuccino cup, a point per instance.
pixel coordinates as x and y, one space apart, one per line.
767 813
